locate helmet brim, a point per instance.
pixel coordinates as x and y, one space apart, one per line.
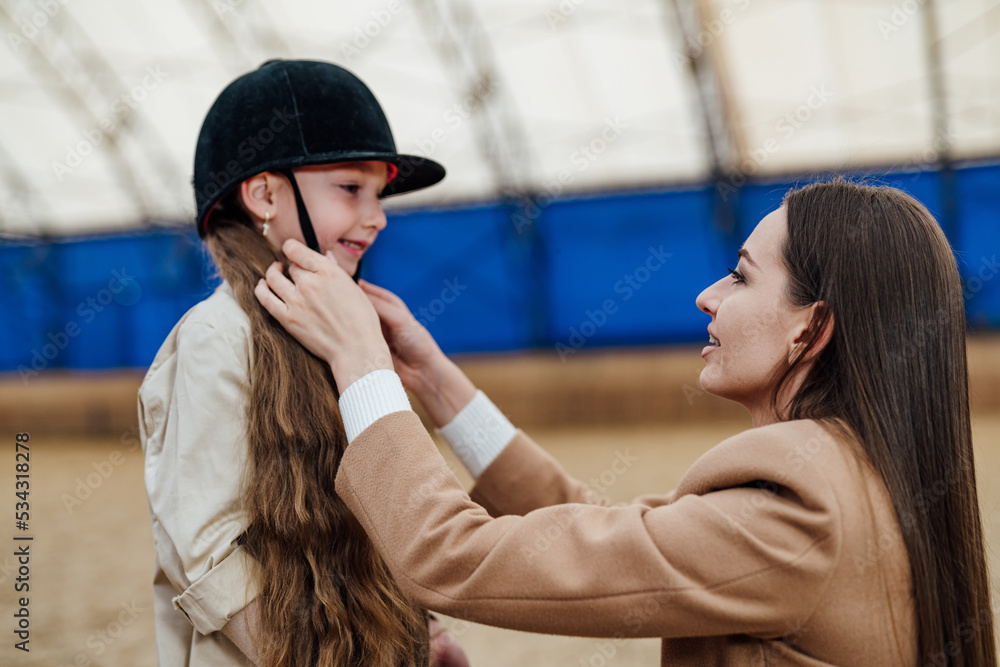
415 173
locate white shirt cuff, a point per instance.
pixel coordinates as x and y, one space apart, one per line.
478 433
369 399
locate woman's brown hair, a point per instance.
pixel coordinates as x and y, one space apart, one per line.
895 374
326 596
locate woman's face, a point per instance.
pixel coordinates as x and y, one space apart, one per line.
343 204
754 326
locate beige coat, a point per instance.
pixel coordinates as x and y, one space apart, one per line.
778 548
192 404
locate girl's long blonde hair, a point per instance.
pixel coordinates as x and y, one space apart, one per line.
326 596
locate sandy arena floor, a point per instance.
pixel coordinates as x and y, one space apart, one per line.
92 554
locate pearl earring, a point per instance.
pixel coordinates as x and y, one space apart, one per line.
267 222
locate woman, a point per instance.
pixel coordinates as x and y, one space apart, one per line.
258 559
842 529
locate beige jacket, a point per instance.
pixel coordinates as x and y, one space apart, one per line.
191 421
778 548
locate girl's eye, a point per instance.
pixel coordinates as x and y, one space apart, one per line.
353 189
737 276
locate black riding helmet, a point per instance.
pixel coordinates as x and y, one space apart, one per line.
295 113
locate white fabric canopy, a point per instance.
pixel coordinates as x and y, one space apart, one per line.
102 100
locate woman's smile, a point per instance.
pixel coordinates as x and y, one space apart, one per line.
713 343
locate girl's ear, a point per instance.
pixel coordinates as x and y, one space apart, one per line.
259 195
818 325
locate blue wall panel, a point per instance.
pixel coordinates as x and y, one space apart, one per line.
978 244
592 273
627 269
456 272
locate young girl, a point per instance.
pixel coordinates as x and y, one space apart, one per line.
239 423
843 529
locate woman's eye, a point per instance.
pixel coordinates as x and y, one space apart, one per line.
737 276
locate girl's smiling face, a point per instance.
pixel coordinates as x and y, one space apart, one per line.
756 330
342 200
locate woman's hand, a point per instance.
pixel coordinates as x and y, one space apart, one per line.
438 383
414 351
445 652
327 312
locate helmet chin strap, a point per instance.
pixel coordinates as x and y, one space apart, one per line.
305 222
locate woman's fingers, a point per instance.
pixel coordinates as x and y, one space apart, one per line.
271 303
302 255
278 283
393 314
376 297
371 287
297 273
382 298
380 302
380 292
326 312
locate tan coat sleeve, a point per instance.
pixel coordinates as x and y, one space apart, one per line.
524 477
694 567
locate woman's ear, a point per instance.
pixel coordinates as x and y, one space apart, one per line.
817 326
259 196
